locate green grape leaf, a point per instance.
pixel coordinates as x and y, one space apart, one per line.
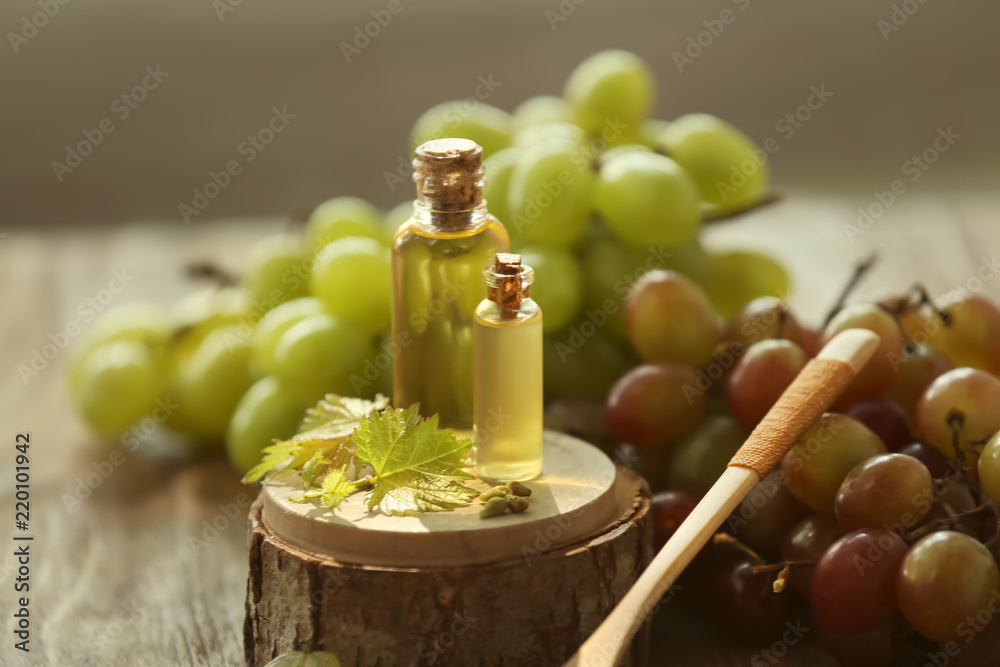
332 491
324 433
416 467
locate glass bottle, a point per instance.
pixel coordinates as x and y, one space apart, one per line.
508 371
437 259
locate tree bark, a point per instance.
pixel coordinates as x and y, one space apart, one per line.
532 611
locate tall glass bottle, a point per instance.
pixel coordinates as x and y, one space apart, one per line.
508 371
437 260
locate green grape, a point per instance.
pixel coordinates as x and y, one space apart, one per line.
874 380
396 216
558 286
652 131
276 322
670 319
740 276
818 463
353 279
139 321
989 468
580 362
118 385
946 580
647 199
610 270
209 384
613 153
914 373
343 216
967 396
652 406
541 109
465 119
535 134
549 194
266 412
889 490
206 309
321 354
971 337
611 89
728 168
276 271
703 456
499 168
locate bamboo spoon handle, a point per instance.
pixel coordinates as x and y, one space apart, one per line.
806 399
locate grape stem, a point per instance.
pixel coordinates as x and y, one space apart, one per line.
725 538
860 270
715 215
211 271
777 567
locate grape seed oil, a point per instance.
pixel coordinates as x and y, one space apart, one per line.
437 260
508 375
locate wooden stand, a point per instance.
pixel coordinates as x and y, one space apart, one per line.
450 588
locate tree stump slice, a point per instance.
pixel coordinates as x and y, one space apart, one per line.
451 589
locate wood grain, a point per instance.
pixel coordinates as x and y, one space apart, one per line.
128 546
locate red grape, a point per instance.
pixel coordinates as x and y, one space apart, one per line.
670 318
670 509
766 515
946 580
876 647
760 377
745 604
807 542
936 462
891 491
888 421
854 583
876 377
654 405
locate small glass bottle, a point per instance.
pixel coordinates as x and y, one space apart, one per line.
508 372
437 258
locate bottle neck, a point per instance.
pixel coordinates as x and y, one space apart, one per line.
425 215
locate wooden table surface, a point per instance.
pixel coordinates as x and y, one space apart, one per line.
140 559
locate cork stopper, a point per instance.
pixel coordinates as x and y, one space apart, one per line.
450 176
507 283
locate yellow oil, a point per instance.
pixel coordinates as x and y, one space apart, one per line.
508 393
437 285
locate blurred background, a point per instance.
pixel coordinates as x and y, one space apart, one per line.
895 78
